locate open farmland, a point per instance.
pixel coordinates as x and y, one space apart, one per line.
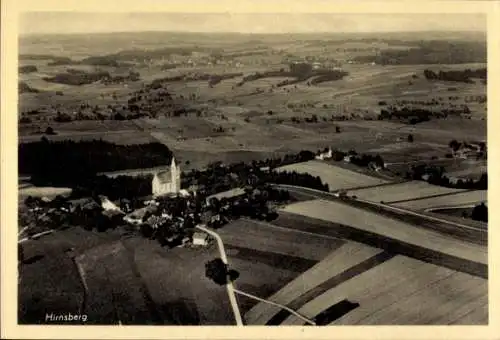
336 177
337 262
227 98
373 223
266 237
406 191
115 290
461 199
256 108
404 291
268 256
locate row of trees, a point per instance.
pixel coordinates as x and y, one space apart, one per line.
437 176
456 75
79 77
416 115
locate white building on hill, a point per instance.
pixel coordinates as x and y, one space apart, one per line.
167 182
327 154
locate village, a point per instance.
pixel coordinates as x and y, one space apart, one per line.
175 208
170 214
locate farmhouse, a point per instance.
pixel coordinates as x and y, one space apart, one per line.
167 182
200 239
348 158
229 194
326 154
137 217
107 205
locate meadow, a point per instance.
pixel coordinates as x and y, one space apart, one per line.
336 177
338 261
400 192
344 214
405 291
468 198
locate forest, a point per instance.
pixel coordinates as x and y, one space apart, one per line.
65 163
431 52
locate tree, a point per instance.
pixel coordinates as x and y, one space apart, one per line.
49 131
454 144
480 213
410 138
216 270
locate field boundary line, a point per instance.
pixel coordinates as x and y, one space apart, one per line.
410 212
432 196
81 274
297 314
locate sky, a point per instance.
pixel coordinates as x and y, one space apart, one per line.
78 22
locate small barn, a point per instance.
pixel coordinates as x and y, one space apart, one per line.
200 239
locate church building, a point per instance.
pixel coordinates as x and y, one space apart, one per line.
167 182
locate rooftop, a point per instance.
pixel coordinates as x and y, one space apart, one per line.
228 194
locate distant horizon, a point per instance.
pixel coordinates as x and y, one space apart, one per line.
65 23
250 33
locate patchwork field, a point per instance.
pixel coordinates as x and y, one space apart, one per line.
402 192
372 222
268 256
405 291
454 200
346 256
336 177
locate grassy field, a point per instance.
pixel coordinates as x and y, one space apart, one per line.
115 290
336 262
336 177
404 291
455 200
28 190
49 279
49 283
402 192
266 237
371 222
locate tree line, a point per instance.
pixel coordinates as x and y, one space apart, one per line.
464 76
431 52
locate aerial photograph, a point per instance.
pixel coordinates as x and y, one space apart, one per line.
270 169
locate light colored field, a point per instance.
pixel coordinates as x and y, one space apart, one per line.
402 191
336 262
403 291
336 177
372 222
455 200
43 191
